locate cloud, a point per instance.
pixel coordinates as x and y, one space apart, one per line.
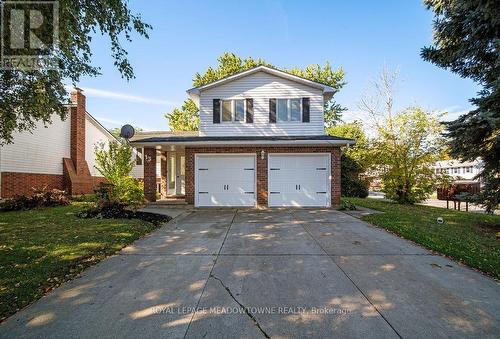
453 112
100 93
110 121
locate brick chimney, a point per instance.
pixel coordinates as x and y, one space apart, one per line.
78 132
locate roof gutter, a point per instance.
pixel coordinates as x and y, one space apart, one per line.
337 143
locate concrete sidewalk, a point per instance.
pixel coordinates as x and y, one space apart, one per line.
268 273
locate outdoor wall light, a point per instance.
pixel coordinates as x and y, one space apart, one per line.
262 154
148 158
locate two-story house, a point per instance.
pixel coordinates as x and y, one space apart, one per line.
261 142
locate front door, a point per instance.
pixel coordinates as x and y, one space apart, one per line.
180 174
176 173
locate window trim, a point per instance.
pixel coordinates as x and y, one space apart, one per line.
289 110
233 111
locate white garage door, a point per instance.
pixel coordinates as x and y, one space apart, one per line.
299 180
225 180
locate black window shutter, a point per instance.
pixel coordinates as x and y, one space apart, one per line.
272 111
216 111
249 111
305 109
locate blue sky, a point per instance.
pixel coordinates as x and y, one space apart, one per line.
360 36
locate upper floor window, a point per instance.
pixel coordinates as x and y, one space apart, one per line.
289 110
233 110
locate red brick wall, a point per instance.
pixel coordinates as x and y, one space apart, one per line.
150 174
15 183
262 167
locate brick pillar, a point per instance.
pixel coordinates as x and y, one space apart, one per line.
189 178
150 174
77 150
262 177
336 189
163 174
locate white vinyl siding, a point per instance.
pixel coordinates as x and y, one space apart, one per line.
94 135
261 87
41 151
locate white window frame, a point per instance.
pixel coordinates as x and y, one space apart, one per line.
289 110
233 111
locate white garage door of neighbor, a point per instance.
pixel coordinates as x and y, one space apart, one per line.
225 180
299 180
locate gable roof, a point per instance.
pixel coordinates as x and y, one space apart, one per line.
328 91
99 126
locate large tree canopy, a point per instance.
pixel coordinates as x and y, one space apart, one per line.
467 42
187 118
30 96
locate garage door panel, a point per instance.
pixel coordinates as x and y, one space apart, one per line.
225 180
298 180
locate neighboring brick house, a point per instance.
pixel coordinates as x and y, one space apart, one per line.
60 155
261 143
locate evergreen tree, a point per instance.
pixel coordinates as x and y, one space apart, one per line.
467 42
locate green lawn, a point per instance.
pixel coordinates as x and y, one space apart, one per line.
39 249
466 237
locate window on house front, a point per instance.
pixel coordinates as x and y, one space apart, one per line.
233 110
289 110
282 109
227 114
138 156
239 110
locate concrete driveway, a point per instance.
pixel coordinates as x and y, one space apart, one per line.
269 273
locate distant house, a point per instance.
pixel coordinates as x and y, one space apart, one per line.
459 171
60 155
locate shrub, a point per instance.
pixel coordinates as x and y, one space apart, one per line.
105 209
129 190
40 198
84 198
352 185
346 205
114 162
104 191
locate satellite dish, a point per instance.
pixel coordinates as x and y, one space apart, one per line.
127 132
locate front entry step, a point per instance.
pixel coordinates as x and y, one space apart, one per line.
167 202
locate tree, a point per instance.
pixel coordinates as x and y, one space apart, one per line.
30 96
353 159
406 145
466 35
115 162
187 118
